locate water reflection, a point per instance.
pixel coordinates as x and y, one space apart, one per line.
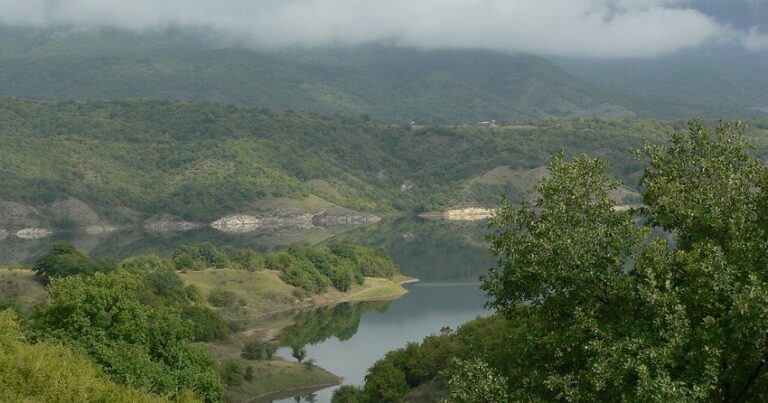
426 309
341 321
430 250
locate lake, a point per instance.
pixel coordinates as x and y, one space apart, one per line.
447 257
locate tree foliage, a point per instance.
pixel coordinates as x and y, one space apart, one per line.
51 372
141 345
474 381
63 260
617 314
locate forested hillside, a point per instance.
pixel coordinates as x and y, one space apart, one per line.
199 161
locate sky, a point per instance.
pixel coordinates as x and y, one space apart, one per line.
570 28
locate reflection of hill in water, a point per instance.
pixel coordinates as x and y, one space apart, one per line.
430 250
340 321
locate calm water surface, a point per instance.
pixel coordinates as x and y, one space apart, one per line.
426 309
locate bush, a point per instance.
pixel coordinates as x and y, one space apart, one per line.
254 349
232 372
221 298
299 353
270 349
249 373
207 325
374 262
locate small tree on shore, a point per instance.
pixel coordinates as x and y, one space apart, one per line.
299 353
270 349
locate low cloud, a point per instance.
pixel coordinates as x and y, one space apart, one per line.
755 40
588 28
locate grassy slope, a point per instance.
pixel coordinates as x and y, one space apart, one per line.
262 293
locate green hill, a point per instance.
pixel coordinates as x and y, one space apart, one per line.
199 161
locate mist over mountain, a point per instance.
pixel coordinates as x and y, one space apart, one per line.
575 28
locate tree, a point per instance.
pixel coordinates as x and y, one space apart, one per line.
52 372
385 383
615 314
147 347
299 353
270 349
348 394
474 381
63 260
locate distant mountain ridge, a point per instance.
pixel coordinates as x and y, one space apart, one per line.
385 82
720 82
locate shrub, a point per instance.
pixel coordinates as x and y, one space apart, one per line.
232 372
348 394
207 325
221 298
270 349
254 349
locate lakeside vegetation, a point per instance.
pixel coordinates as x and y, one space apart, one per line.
148 328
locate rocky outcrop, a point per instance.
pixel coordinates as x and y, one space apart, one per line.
164 225
17 215
72 211
67 213
100 229
237 224
344 220
33 233
292 219
462 214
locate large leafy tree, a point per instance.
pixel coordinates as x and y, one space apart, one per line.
614 313
144 346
